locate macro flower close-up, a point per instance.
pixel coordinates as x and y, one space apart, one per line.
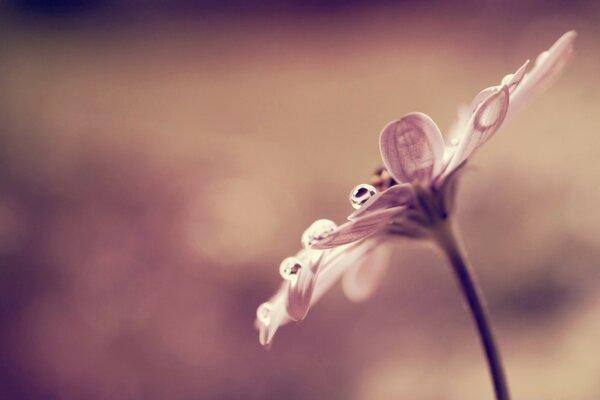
337 199
423 174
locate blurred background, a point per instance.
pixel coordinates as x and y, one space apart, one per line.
159 158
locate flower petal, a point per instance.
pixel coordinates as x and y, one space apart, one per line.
339 260
293 298
333 263
358 229
412 148
362 278
300 291
277 317
336 261
511 81
394 196
548 67
486 120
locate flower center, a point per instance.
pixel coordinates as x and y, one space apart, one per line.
382 179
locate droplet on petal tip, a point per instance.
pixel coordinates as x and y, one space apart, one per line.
290 268
318 230
361 194
507 78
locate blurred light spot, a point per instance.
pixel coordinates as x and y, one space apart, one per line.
11 225
581 211
232 221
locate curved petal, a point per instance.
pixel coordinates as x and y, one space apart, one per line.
276 318
339 260
333 263
412 148
300 290
548 67
486 120
511 81
362 278
396 195
356 230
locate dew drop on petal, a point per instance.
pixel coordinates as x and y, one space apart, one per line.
507 79
263 313
318 230
361 194
289 268
454 142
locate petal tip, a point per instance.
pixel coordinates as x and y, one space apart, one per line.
570 35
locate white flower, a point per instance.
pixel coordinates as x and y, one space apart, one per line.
425 173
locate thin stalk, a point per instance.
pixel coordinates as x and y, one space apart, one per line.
447 239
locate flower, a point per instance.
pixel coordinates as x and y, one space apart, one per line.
417 202
414 153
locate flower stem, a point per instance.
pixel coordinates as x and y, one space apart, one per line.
447 239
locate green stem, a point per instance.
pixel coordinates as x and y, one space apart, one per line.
450 245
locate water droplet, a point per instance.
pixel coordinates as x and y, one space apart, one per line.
454 142
289 268
507 79
318 230
263 313
543 55
361 194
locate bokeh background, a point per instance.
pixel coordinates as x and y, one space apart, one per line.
159 158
